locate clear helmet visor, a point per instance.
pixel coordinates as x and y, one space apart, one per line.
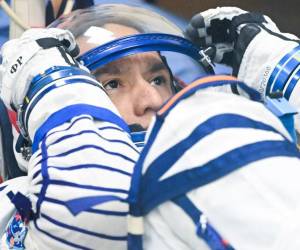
123 46
109 32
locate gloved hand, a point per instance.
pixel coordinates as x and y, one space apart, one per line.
212 28
36 51
248 42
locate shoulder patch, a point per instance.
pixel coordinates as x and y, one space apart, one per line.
16 233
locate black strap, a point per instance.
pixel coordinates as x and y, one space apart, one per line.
219 30
247 18
10 163
51 42
246 36
48 42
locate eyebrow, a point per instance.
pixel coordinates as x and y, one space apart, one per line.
155 65
109 69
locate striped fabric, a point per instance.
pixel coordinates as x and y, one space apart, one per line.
271 63
80 173
83 175
233 160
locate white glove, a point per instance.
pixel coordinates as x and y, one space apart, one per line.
249 42
24 58
211 28
260 55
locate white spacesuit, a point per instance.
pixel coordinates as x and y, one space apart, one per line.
211 173
218 170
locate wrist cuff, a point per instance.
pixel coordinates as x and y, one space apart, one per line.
52 78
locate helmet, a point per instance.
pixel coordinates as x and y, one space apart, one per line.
107 33
149 32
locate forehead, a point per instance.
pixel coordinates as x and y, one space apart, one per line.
96 36
146 62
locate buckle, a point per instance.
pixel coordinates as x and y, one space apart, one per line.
25 147
206 59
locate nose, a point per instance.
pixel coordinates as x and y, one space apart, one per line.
148 98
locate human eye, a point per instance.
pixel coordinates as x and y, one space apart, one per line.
159 80
110 85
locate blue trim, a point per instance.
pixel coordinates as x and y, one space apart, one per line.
154 192
139 43
83 231
36 174
139 145
188 206
279 106
285 112
94 147
204 230
67 113
79 205
62 241
89 187
94 132
135 242
28 108
253 94
134 193
108 168
52 74
291 85
285 74
2 188
74 121
289 124
282 71
105 212
22 204
111 127
91 210
161 164
138 138
87 166
45 178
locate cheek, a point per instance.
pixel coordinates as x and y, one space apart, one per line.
123 104
165 93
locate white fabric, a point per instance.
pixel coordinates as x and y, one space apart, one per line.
135 225
255 207
30 60
203 112
108 173
101 178
66 96
257 200
260 58
220 13
3 174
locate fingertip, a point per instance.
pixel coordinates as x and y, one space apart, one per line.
198 21
191 32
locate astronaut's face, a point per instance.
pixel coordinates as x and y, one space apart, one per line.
138 84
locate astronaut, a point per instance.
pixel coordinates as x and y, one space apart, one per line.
232 191
152 73
210 174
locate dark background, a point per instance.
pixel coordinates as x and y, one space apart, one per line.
285 13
